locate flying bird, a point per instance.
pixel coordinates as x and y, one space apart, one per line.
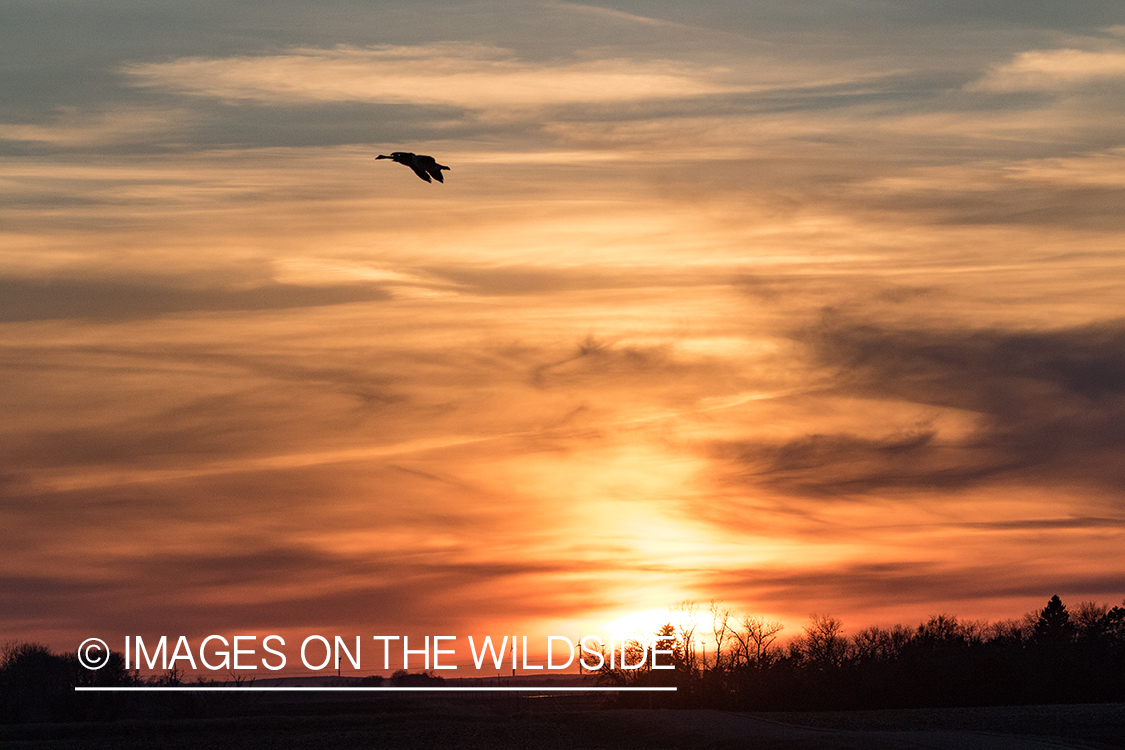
423 166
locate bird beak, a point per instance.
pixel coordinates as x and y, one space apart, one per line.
380 156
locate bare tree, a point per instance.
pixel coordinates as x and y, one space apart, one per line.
975 630
1088 618
683 614
873 644
824 643
1010 629
941 629
881 644
720 627
761 634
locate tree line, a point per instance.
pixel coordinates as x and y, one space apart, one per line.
1053 655
1050 656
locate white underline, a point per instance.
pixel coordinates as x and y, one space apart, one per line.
455 689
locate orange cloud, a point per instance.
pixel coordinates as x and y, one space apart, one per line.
73 127
473 76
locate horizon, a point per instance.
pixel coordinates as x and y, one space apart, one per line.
800 309
267 658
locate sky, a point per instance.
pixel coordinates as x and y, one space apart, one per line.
801 307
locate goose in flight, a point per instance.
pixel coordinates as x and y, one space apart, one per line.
423 166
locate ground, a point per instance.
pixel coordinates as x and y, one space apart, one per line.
451 725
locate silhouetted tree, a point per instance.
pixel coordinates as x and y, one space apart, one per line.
1054 627
668 639
1088 618
684 613
881 644
824 646
755 639
36 685
720 628
1112 626
402 678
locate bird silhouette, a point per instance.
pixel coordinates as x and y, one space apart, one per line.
423 166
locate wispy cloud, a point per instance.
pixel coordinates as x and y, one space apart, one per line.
619 15
1104 169
473 76
73 127
24 299
1054 70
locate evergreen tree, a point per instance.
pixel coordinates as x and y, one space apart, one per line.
1054 626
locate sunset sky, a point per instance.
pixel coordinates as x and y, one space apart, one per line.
800 306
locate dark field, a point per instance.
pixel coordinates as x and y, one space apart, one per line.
445 725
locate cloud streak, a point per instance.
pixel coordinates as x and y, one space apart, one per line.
472 76
1041 407
122 299
1057 71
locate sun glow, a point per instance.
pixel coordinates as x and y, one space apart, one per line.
639 624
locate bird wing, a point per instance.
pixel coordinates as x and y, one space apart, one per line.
421 173
435 170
